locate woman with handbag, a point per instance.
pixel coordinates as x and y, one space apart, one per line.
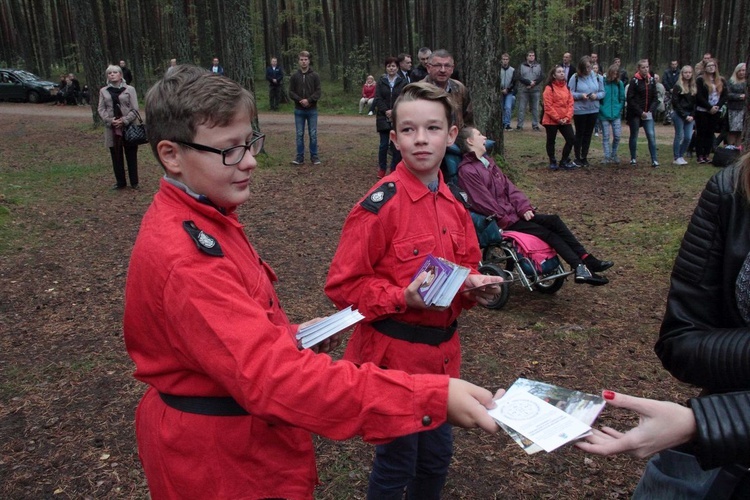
118 107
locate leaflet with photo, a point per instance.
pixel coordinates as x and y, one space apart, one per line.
443 280
314 334
583 406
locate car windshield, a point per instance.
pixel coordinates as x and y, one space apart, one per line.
25 75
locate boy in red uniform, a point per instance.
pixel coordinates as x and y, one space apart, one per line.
408 215
231 400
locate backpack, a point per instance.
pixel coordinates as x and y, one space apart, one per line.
537 253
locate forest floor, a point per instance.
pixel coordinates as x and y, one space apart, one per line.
67 395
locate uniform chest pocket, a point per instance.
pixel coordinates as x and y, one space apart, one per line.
414 247
459 243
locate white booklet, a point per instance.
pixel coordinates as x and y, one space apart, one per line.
583 406
317 333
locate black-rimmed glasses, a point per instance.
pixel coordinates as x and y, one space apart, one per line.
235 154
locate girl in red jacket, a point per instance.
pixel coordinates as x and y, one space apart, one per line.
558 112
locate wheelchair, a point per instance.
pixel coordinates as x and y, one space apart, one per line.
516 257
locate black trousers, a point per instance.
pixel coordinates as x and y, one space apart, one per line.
553 231
567 132
274 92
584 130
118 164
705 132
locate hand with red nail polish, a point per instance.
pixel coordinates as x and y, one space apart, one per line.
662 425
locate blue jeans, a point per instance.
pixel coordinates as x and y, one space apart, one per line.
385 144
648 127
311 117
683 132
673 475
417 462
509 100
610 149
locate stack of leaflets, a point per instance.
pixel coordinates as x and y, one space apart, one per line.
315 334
541 416
443 280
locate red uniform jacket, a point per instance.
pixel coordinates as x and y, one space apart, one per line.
200 325
377 257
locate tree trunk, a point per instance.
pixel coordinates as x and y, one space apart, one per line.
94 62
182 50
482 40
239 53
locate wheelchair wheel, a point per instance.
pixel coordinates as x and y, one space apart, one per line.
501 298
549 287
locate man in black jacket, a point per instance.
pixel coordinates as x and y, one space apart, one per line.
304 89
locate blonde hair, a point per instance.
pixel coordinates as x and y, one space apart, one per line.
111 68
686 86
733 78
718 83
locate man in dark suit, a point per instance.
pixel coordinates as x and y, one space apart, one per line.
127 75
567 58
404 67
216 67
275 77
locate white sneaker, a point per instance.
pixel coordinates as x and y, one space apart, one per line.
682 161
676 161
369 114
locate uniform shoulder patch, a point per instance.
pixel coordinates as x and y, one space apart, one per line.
375 200
204 241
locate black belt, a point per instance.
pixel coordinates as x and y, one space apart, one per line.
215 407
416 334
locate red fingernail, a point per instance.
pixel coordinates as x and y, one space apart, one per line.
609 395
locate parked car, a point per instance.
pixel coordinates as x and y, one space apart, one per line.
20 85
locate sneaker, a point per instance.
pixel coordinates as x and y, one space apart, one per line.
535 128
596 134
369 114
568 165
298 161
553 165
584 276
597 265
507 127
677 162
315 160
633 162
682 161
654 163
615 160
582 162
701 159
519 128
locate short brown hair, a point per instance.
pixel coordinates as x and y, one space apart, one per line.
423 91
189 97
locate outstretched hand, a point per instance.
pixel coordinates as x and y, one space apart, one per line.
468 405
662 425
482 288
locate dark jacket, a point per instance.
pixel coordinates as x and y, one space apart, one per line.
734 91
701 97
274 73
704 340
419 73
385 98
641 96
305 86
683 104
669 78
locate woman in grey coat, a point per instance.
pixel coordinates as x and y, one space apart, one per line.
117 103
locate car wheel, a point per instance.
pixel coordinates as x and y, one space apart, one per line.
34 96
